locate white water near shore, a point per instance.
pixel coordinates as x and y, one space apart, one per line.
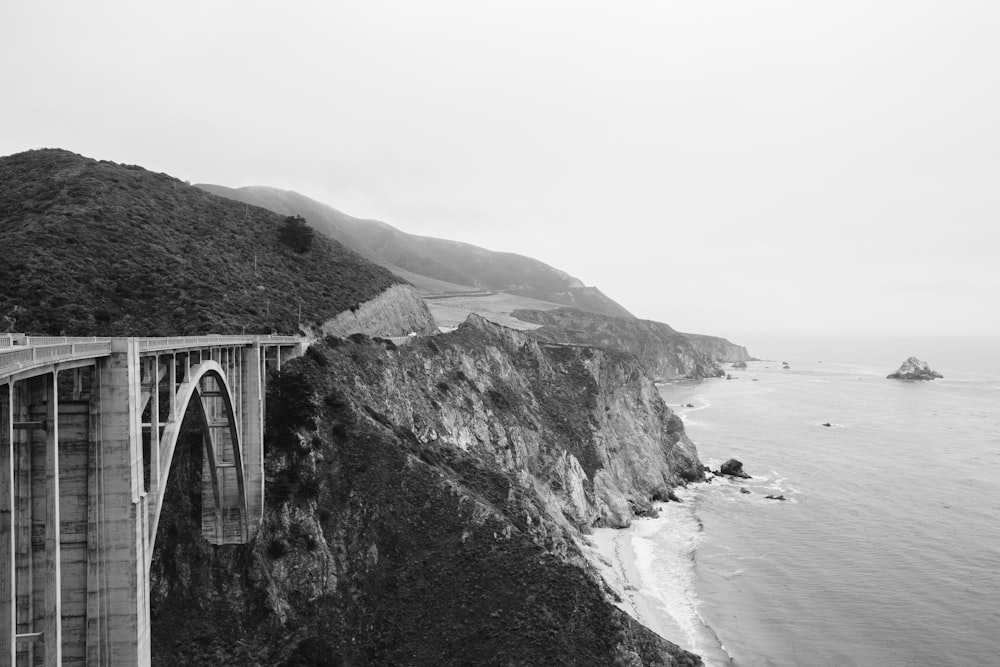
656 584
887 549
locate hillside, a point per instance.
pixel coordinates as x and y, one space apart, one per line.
97 248
428 262
665 352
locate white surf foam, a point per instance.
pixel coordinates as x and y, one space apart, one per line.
665 560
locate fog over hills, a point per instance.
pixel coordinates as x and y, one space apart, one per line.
434 265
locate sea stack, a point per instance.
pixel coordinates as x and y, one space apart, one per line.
914 369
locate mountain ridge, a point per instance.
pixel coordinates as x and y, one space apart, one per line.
463 265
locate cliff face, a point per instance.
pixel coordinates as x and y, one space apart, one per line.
422 504
397 311
587 422
718 349
665 352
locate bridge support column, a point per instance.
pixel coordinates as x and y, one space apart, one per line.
117 580
8 617
252 427
30 563
53 559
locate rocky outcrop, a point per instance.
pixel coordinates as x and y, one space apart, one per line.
733 468
586 421
397 311
423 508
719 349
914 369
665 352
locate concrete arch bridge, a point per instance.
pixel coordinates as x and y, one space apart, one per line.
88 428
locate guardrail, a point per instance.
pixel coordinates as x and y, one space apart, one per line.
39 350
59 340
13 360
189 342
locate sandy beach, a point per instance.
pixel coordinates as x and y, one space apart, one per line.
650 567
612 551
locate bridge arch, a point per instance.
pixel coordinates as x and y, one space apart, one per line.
225 513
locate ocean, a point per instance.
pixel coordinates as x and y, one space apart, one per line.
886 550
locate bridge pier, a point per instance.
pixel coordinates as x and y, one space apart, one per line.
117 578
30 558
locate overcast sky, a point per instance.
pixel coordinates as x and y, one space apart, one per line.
726 167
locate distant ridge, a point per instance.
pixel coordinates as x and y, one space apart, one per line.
434 265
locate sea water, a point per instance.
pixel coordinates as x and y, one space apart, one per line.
886 550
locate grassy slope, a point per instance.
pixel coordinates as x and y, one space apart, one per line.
100 248
438 259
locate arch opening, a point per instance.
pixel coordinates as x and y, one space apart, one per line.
205 406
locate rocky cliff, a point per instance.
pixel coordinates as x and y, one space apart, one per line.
665 352
397 311
422 505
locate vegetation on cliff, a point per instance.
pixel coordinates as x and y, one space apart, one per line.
390 541
98 248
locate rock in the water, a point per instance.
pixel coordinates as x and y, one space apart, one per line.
781 497
914 369
744 490
739 364
733 468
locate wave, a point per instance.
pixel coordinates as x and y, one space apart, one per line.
665 559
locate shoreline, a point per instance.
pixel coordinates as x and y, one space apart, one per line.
611 551
657 588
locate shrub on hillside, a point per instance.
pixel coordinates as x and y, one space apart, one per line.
297 234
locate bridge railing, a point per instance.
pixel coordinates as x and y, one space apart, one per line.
39 350
59 340
187 342
14 359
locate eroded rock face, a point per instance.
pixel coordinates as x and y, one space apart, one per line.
397 311
665 352
423 508
586 422
914 369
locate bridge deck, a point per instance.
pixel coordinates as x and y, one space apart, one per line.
30 353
